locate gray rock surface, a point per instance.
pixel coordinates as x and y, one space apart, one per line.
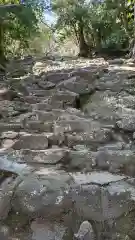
67 149
31 141
77 85
43 193
102 196
44 230
117 161
85 232
49 156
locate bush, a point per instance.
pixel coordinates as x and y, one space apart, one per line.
116 41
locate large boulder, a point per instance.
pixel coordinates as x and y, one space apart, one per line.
77 85
102 106
81 159
43 193
111 107
127 123
101 196
116 160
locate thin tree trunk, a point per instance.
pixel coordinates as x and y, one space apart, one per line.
2 56
1 42
123 15
83 46
132 47
133 52
132 43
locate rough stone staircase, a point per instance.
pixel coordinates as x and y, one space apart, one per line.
67 152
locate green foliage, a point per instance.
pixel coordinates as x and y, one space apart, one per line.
19 23
92 25
44 42
105 24
70 13
116 40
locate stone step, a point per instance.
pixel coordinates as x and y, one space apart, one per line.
31 141
10 126
50 156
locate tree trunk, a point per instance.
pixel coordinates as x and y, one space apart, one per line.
132 54
2 57
83 46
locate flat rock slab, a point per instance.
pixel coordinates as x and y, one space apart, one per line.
48 156
100 178
38 126
31 141
97 202
85 125
77 85
10 126
8 163
101 135
57 77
